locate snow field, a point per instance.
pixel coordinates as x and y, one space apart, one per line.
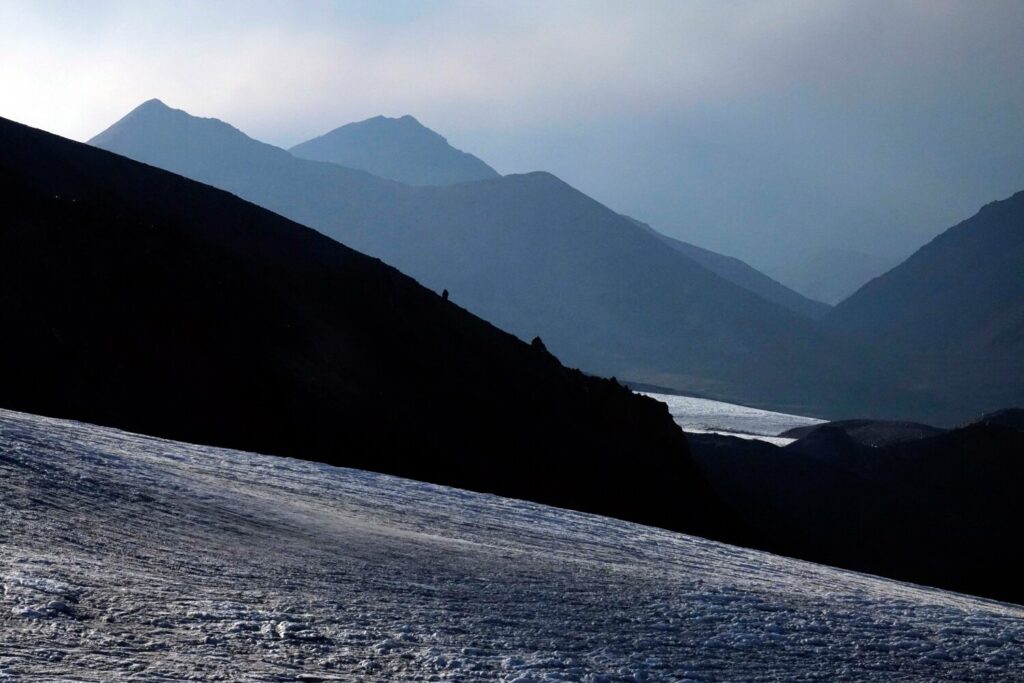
131 558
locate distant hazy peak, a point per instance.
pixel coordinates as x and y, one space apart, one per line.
401 149
154 104
405 118
156 112
154 109
405 122
160 135
147 111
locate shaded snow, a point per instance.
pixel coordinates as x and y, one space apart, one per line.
130 558
705 416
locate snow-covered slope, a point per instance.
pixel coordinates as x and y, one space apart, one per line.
706 416
127 557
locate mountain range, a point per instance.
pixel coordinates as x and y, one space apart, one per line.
535 257
405 150
137 298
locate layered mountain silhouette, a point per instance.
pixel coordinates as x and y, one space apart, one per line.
399 149
746 276
942 510
535 257
952 315
403 149
136 298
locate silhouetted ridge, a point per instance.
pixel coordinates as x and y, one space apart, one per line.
400 149
136 298
827 438
185 136
536 257
870 432
952 315
740 273
942 510
1010 418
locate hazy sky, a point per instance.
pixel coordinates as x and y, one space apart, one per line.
760 129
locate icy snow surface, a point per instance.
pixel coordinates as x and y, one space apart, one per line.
130 558
715 417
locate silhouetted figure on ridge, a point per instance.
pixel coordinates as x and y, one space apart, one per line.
444 295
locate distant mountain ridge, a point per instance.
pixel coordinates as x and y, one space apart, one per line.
404 150
535 257
952 315
399 149
137 298
741 273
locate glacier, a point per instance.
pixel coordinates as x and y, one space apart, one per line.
707 416
125 557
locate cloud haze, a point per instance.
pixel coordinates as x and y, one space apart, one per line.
755 128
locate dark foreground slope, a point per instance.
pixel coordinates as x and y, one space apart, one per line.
534 256
399 149
953 315
943 510
136 298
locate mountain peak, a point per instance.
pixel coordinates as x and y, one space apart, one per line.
401 149
153 108
158 134
157 112
153 104
150 112
380 119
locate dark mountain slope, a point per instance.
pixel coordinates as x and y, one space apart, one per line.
944 510
399 149
1012 418
136 298
870 432
953 313
404 150
534 256
740 273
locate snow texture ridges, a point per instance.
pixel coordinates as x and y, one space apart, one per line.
131 558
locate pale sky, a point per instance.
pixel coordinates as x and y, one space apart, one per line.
755 128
